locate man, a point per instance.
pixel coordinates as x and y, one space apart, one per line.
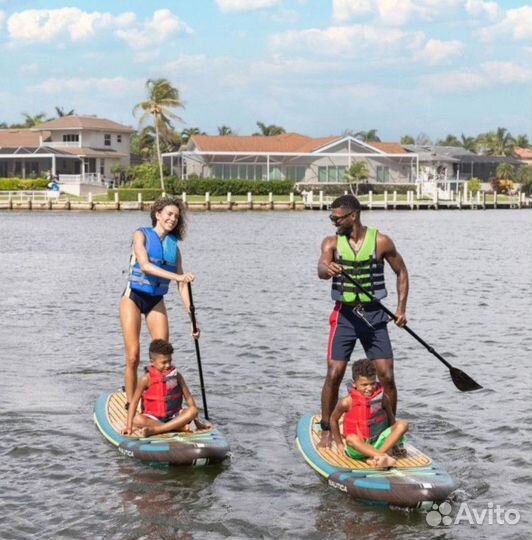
359 251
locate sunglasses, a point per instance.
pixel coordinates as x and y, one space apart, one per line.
337 219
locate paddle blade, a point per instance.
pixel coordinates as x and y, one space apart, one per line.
463 381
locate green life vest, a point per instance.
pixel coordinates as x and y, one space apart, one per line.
362 266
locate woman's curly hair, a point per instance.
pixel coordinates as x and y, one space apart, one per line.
181 226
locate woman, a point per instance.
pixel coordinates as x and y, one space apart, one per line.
155 262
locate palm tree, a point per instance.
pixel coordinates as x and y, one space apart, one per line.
189 132
407 139
497 143
357 172
224 130
469 143
450 140
162 98
368 136
505 171
522 141
61 112
269 131
33 121
142 142
423 139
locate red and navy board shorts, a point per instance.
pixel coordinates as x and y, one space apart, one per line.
369 326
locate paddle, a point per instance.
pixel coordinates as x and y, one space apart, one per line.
461 380
198 357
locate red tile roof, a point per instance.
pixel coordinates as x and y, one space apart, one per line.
85 122
13 138
287 142
523 153
389 148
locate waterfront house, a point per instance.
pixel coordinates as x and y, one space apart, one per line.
78 150
290 156
524 155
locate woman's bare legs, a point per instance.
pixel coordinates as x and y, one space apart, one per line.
130 320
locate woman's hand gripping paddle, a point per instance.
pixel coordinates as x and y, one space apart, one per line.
461 380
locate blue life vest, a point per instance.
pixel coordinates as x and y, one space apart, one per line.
162 254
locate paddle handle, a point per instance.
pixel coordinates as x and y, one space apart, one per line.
196 345
394 317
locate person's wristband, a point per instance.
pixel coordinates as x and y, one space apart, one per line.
325 426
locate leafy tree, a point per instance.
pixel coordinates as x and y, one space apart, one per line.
423 139
450 140
474 184
269 131
368 136
524 177
162 98
356 173
225 130
407 139
143 142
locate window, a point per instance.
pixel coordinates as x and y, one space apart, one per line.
107 139
295 173
383 174
119 138
275 172
331 173
71 137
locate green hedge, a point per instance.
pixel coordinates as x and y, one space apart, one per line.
18 184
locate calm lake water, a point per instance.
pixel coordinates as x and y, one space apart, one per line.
264 317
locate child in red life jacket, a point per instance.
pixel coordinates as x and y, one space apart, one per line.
161 392
370 427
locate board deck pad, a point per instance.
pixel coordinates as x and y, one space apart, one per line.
414 457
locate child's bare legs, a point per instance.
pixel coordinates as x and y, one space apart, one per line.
379 457
150 426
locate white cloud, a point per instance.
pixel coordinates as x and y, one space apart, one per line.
46 25
479 8
346 39
517 23
393 12
344 10
155 31
437 52
245 5
487 74
29 68
2 18
115 85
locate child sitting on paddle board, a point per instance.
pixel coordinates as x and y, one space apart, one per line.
370 427
161 392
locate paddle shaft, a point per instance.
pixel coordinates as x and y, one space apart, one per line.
394 317
198 356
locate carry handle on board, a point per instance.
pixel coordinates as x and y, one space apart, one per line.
198 356
461 380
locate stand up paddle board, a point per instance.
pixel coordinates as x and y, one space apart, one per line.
416 481
179 448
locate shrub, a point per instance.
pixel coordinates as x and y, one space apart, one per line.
502 186
474 185
199 186
17 184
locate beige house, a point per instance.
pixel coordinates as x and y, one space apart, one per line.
78 150
290 156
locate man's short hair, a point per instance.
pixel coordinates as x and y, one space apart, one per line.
364 368
349 202
160 346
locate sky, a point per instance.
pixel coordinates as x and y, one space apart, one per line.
317 67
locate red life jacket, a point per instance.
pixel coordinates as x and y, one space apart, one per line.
367 417
164 396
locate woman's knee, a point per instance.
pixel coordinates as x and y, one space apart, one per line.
132 359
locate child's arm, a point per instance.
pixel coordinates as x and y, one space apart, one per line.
341 408
141 387
388 408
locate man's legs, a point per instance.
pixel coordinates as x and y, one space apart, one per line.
386 377
329 394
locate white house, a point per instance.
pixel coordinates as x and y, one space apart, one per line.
290 156
79 150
